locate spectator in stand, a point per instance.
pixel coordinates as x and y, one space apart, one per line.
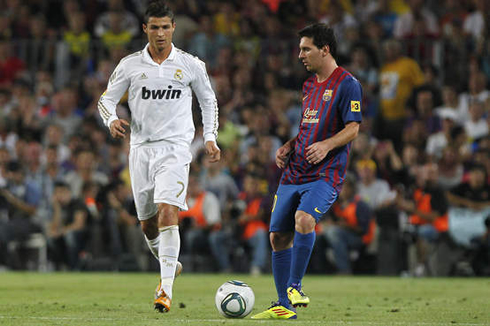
406 23
214 178
252 221
453 11
19 199
428 208
123 224
350 226
476 92
363 69
73 53
115 36
387 160
67 229
202 225
386 17
424 109
338 18
127 20
451 169
10 65
474 24
476 126
473 194
66 112
41 47
85 162
206 43
398 77
373 191
450 104
437 142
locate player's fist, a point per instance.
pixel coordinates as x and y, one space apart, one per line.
213 151
118 128
282 155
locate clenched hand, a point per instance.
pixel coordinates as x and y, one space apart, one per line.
118 129
213 151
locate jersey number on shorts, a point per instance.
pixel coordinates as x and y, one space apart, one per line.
274 204
181 190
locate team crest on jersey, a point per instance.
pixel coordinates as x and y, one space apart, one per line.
310 116
178 74
327 95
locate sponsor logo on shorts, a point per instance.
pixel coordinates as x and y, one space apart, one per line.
318 211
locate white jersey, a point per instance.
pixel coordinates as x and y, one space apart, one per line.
160 97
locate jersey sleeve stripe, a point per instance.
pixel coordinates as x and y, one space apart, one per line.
103 110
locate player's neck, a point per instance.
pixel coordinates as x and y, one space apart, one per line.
326 70
159 56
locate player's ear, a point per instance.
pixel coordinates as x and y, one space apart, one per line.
145 28
325 50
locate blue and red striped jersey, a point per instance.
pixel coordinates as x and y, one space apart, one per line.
327 108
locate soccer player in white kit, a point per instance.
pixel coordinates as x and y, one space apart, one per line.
160 80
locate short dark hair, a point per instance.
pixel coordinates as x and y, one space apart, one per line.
60 184
322 35
158 8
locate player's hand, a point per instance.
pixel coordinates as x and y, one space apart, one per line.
213 151
118 129
316 152
282 155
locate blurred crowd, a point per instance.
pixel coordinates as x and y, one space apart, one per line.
416 199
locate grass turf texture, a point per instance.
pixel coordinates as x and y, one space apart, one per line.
126 299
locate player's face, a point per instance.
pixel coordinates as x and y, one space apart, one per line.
310 55
159 31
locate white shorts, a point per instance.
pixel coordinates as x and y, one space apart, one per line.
159 175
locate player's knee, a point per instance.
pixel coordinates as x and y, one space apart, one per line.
305 223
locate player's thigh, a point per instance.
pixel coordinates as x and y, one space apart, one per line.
171 180
316 198
285 204
142 183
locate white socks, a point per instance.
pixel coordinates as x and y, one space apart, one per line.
168 252
153 244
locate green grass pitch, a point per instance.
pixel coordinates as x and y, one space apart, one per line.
126 299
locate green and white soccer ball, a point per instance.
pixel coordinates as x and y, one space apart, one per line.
234 299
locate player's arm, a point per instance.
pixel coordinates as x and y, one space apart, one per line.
316 152
117 86
283 152
209 109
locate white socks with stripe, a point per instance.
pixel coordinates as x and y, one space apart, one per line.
168 253
153 244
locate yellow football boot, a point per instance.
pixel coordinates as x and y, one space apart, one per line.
297 297
276 311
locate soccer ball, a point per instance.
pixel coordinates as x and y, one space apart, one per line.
234 299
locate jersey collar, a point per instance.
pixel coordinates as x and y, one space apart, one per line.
147 57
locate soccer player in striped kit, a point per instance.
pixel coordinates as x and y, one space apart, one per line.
314 164
160 80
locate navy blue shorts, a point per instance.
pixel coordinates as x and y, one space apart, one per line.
314 198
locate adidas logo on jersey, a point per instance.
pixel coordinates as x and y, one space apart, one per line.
159 94
143 76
